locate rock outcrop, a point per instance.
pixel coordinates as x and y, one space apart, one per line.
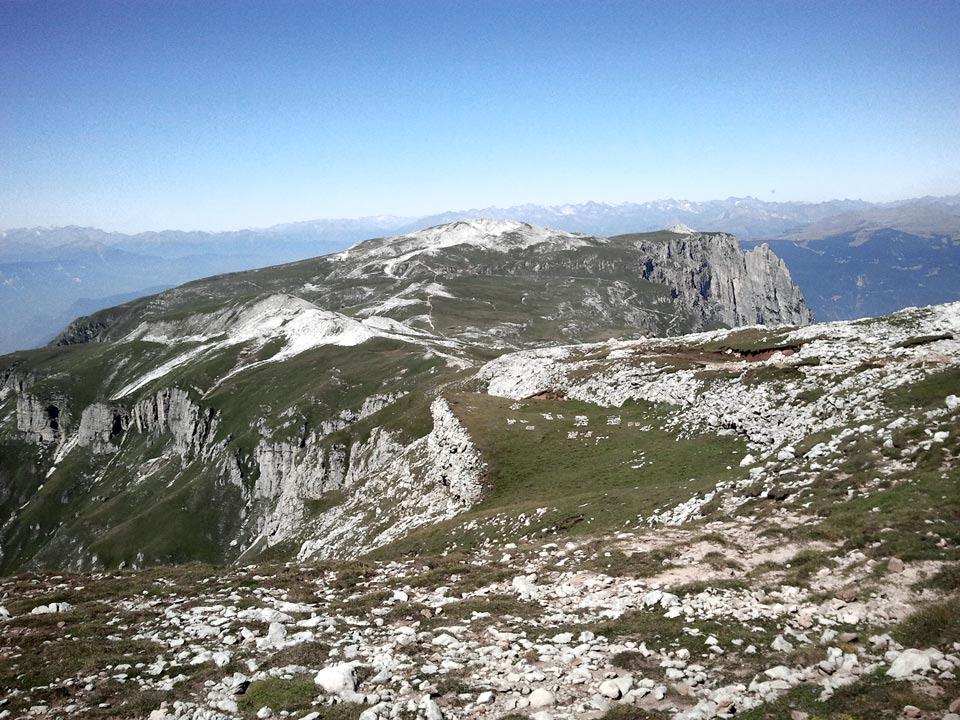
720 282
41 420
171 410
401 488
102 426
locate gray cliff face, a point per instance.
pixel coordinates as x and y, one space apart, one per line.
716 279
101 427
288 477
171 410
290 474
399 488
454 461
41 421
275 483
773 289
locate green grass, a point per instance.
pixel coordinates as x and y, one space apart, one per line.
928 392
925 340
497 606
318 384
658 632
38 650
587 483
873 698
528 305
934 625
904 516
752 340
278 695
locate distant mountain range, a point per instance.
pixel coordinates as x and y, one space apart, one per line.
850 257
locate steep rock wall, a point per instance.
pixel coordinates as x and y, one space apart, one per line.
101 427
41 420
713 276
171 410
402 488
289 474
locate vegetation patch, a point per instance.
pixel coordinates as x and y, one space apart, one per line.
279 695
571 468
935 625
873 698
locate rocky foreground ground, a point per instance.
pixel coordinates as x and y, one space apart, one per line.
822 581
753 616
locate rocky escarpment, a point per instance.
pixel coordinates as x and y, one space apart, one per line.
276 480
102 426
289 474
41 419
171 410
772 399
729 287
399 488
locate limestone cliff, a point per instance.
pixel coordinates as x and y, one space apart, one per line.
721 283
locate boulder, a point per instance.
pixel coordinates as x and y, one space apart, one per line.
337 679
912 662
541 698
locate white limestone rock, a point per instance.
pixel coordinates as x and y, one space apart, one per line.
542 698
337 679
913 662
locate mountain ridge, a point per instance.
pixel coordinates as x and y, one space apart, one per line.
160 258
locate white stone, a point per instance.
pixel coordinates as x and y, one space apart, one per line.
337 679
221 658
787 453
610 689
51 608
276 635
524 587
541 698
912 662
652 598
780 644
445 640
431 710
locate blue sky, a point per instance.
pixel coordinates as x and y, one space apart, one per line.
150 114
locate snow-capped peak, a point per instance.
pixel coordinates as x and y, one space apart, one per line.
681 229
495 235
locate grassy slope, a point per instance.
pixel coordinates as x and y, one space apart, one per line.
587 482
179 513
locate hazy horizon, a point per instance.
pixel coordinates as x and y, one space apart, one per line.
412 218
212 115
